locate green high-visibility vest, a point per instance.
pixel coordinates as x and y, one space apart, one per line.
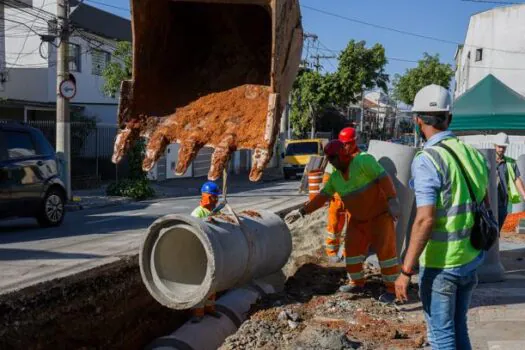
201 212
449 245
512 190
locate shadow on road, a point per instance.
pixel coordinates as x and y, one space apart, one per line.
11 254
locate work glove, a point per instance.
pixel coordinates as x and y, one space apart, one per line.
293 216
394 208
219 208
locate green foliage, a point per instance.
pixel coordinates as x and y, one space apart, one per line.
428 71
135 158
119 69
137 185
360 68
136 189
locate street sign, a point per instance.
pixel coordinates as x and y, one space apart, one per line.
68 89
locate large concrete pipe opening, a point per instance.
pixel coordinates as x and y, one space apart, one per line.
184 259
181 261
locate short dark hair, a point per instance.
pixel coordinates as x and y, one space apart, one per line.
440 121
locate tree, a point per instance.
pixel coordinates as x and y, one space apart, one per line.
429 70
359 68
119 69
311 94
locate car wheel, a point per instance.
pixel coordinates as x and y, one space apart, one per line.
286 176
52 209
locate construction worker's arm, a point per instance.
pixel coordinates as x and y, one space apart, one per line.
316 203
427 185
519 183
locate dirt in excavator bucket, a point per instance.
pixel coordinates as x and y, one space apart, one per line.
209 73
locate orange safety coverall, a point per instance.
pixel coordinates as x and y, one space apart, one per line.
365 192
337 218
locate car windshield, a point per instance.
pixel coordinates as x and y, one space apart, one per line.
297 149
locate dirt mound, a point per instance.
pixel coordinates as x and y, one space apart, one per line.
105 308
311 314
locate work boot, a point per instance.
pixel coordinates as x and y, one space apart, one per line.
351 288
387 298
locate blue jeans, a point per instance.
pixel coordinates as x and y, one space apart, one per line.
446 299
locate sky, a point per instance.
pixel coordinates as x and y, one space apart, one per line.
443 19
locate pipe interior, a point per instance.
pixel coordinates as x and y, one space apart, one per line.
180 261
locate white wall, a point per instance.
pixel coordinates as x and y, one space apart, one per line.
502 28
30 84
27 82
106 114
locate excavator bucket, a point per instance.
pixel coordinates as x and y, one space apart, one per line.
209 73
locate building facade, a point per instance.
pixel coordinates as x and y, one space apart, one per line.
494 44
28 57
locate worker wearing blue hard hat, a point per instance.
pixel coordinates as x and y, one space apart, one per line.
209 199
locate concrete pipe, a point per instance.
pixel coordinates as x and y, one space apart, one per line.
397 161
211 332
183 259
492 270
520 162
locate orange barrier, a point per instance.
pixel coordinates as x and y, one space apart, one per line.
315 178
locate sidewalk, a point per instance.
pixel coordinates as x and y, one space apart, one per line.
183 187
497 315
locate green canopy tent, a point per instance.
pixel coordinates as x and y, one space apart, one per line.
489 105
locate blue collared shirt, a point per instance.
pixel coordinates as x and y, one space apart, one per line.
427 182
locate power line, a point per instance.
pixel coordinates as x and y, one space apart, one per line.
27 37
107 5
404 32
494 2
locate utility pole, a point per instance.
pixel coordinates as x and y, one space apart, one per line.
318 59
63 127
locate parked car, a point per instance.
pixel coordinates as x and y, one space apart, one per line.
297 155
30 184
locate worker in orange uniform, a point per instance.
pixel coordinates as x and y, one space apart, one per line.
209 199
337 214
369 194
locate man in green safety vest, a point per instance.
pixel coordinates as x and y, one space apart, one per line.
510 186
440 237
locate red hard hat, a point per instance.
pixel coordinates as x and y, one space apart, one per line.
347 135
333 148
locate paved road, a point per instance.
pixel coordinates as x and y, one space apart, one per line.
89 238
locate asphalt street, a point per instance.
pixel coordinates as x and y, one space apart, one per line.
90 238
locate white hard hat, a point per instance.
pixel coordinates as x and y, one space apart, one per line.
501 139
432 98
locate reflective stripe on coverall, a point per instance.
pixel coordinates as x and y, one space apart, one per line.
337 218
365 195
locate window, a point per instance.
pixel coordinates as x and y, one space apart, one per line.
479 55
99 61
44 147
302 148
74 58
19 144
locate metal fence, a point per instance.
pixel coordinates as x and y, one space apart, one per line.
91 151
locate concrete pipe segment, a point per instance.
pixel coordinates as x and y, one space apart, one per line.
183 259
397 161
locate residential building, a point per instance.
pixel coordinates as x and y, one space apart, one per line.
494 44
28 57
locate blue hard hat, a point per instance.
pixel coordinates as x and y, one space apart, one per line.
211 188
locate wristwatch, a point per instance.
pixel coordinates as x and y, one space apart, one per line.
407 273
